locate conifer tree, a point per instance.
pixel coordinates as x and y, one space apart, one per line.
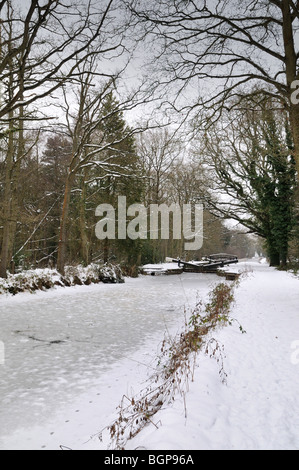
116 172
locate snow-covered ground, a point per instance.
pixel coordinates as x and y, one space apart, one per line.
258 407
70 356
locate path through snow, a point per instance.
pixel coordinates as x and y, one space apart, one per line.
259 407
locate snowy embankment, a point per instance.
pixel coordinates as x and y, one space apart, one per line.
45 279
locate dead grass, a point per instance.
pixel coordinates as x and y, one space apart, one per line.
175 367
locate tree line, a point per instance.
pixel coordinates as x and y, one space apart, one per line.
145 169
66 144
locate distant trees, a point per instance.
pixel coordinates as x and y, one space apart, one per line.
119 168
173 177
160 151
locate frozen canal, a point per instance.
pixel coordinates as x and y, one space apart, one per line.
61 343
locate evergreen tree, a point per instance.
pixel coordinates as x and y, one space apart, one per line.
116 172
275 186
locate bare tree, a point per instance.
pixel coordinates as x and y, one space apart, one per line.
48 43
225 48
15 151
43 48
92 146
159 151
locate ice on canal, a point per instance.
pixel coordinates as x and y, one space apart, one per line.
71 353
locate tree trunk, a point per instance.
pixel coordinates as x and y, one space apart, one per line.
273 252
274 257
15 177
62 245
12 172
283 259
7 202
82 223
5 247
106 250
10 215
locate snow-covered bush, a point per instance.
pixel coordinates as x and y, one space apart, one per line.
31 280
43 279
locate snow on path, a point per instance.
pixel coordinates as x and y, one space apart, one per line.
258 409
70 354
